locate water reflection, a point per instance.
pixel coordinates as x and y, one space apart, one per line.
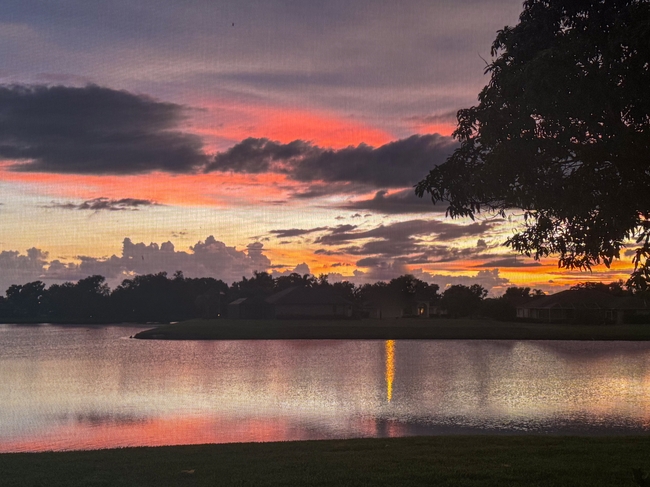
390 368
70 388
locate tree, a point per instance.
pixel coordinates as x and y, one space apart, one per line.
615 288
25 301
562 131
517 293
460 300
411 288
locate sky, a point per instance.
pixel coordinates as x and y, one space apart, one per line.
225 137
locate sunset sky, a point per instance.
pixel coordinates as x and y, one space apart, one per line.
222 137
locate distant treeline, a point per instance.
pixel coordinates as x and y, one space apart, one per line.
159 298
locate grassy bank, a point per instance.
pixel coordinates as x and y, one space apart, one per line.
420 461
390 329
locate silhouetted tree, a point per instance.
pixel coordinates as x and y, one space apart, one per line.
562 131
517 293
615 288
85 301
460 300
413 289
25 302
347 290
261 284
294 279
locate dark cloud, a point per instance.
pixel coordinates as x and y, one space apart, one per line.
403 231
403 244
396 164
369 262
343 228
320 190
254 156
445 117
401 202
106 204
93 130
296 232
327 252
509 262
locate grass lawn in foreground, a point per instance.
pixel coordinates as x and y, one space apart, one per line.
465 329
419 461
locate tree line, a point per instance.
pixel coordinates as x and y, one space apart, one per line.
160 298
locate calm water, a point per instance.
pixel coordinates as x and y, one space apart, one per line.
91 387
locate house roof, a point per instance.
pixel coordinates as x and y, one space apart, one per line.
585 299
250 300
306 295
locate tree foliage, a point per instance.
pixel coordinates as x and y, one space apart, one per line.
562 131
460 300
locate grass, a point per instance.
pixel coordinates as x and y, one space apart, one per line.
439 329
419 461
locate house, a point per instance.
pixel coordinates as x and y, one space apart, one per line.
585 306
389 306
251 308
293 302
306 302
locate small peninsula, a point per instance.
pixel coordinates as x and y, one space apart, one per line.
390 329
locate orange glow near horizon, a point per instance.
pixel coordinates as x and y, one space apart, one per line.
213 189
284 124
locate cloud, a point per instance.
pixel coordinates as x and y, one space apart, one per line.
327 252
298 232
254 156
106 204
208 258
400 202
404 243
301 269
295 232
404 231
490 279
446 117
16 268
93 130
509 262
396 164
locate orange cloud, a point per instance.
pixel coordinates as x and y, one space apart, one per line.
235 122
215 189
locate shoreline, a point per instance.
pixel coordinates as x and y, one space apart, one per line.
67 324
414 461
397 329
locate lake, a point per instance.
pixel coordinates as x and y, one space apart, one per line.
88 387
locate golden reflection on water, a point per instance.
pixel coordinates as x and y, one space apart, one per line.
390 368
